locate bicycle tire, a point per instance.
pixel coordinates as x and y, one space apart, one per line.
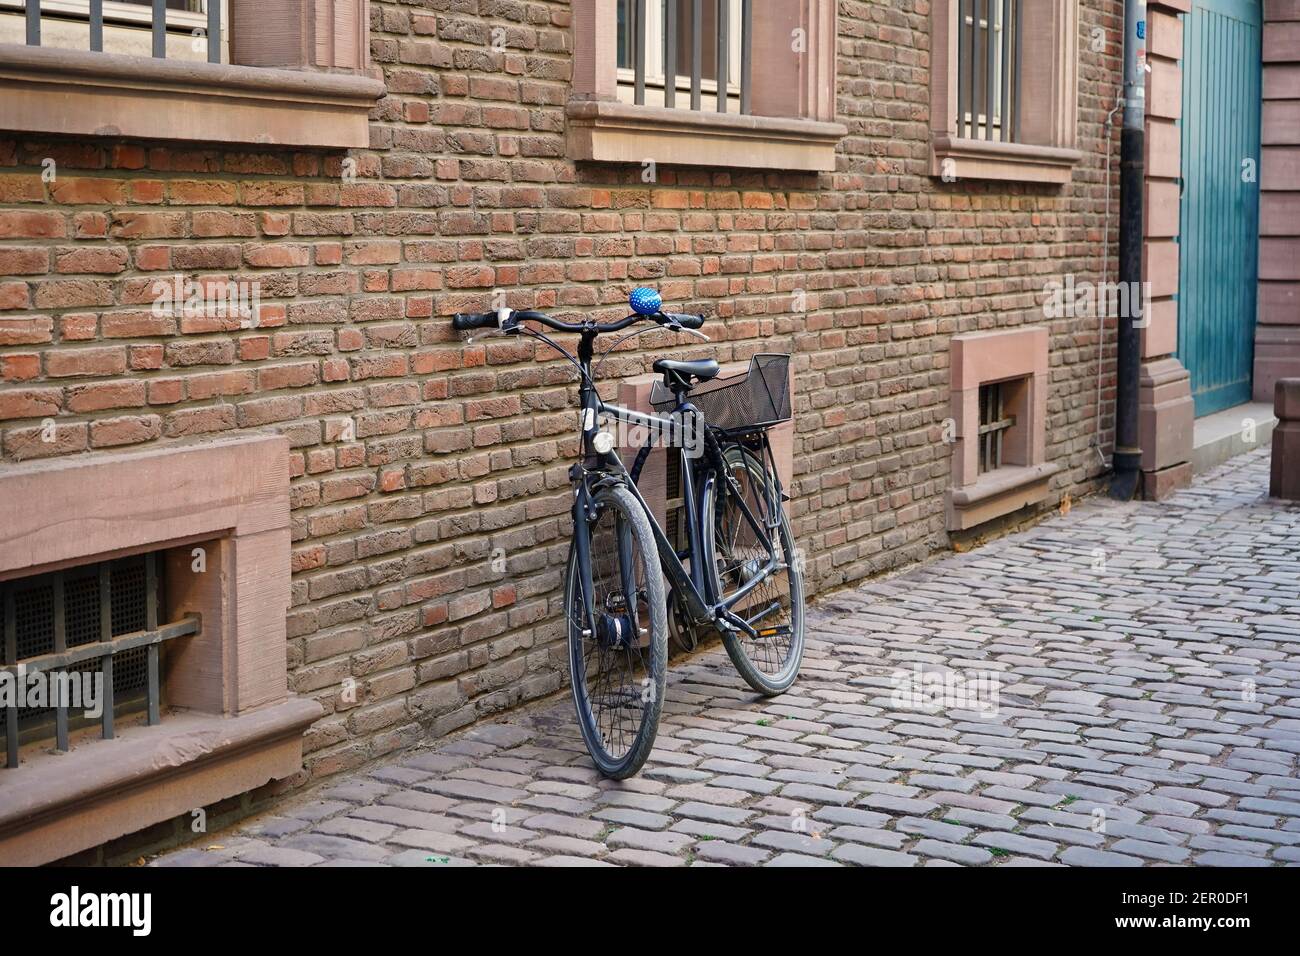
776 680
598 726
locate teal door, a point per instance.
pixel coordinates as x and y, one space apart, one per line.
1219 241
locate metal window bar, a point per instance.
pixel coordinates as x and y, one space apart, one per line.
1017 60
60 647
11 656
159 29
697 54
990 66
670 53
674 503
1007 27
97 26
158 11
965 57
214 31
977 77
746 55
724 53
638 52
105 636
994 423
64 658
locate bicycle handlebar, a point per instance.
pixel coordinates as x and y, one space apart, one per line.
468 321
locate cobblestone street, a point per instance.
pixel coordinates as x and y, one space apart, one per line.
1147 663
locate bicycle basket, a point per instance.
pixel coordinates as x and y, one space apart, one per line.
757 399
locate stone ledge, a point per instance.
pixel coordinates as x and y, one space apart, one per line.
54 805
612 132
998 493
1220 437
77 93
1012 162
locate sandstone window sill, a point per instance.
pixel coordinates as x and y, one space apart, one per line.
78 93
998 493
612 132
56 804
1008 162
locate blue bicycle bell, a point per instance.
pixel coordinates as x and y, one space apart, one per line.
645 301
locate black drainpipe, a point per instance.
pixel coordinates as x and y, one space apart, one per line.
1128 453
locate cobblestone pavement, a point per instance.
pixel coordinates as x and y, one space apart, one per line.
1148 711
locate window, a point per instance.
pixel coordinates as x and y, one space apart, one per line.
119 26
994 422
987 69
999 407
273 75
643 50
671 82
1004 90
214 519
83 645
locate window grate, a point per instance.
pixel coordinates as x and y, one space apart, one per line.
988 70
698 50
673 496
194 20
97 618
994 423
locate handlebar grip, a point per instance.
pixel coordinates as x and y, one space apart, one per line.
685 321
468 321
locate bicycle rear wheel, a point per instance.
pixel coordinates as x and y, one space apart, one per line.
618 648
769 663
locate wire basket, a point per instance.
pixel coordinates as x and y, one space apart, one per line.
757 399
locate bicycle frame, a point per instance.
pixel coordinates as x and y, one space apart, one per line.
703 605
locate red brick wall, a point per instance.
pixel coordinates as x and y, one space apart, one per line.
459 450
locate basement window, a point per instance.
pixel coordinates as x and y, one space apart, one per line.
83 646
995 421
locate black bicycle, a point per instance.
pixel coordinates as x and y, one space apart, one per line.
747 584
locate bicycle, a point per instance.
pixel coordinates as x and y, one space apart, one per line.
748 584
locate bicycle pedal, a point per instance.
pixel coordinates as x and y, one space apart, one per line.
781 630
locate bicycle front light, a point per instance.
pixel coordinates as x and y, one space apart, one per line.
603 443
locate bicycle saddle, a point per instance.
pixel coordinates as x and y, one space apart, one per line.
679 374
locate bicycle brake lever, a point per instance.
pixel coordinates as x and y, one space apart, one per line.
510 326
695 332
484 333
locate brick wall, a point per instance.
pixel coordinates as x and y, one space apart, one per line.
454 451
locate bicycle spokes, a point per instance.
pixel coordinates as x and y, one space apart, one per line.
615 667
747 555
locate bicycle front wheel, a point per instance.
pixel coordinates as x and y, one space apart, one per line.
618 647
734 516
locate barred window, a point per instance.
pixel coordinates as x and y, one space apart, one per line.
655 33
988 74
82 645
994 423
